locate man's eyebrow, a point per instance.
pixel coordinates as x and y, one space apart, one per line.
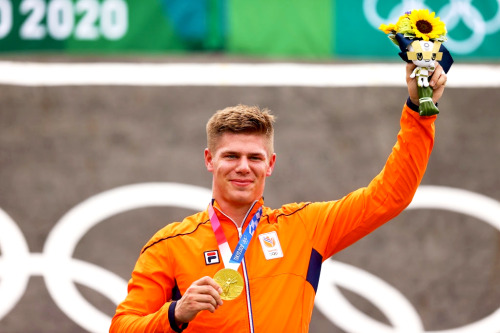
229 152
257 154
235 152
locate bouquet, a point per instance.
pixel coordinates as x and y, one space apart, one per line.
419 35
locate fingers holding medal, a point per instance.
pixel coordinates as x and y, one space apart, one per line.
203 294
207 294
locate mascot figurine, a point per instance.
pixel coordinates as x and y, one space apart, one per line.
419 36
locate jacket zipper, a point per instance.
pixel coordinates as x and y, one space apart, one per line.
244 268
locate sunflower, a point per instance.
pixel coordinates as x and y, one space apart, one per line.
425 25
388 28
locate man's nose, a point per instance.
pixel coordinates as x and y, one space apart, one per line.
243 166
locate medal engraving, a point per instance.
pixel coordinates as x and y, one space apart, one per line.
231 283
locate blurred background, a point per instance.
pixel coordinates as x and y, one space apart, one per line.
103 105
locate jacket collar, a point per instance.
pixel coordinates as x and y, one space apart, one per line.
223 218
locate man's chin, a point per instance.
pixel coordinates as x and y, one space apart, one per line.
244 200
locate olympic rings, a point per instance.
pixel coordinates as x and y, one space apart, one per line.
452 14
400 313
62 241
60 270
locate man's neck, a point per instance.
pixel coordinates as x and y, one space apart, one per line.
237 215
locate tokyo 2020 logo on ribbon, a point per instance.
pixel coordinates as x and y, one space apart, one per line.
61 271
453 14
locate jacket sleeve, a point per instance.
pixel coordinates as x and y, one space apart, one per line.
338 224
148 305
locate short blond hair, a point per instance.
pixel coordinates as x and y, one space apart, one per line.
241 119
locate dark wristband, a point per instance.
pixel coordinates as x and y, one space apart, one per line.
171 318
412 106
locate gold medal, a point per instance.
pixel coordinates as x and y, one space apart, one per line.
231 283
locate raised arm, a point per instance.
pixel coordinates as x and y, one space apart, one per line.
337 224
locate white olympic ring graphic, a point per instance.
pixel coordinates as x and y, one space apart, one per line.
20 264
452 14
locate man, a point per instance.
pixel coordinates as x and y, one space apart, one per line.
277 253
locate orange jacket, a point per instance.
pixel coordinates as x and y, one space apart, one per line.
279 290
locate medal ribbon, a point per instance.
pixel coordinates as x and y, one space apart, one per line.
233 260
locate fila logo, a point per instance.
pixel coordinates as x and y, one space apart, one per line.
212 257
271 245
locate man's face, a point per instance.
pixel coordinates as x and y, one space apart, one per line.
240 165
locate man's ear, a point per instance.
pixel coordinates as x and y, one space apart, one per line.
272 162
208 160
